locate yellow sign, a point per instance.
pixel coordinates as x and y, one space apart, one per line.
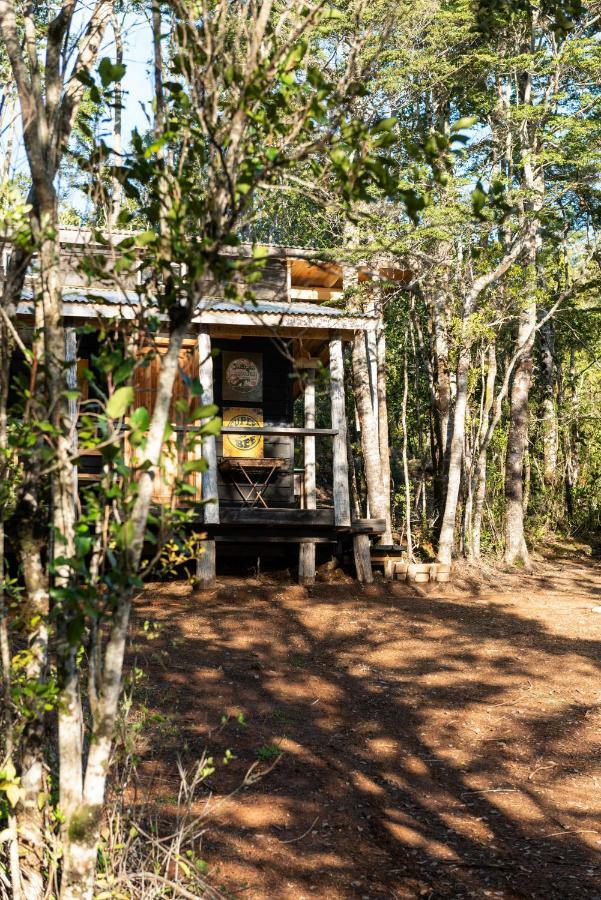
248 445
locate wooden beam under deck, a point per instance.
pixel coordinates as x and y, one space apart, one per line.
312 523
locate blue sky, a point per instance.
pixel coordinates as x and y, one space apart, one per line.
138 79
137 83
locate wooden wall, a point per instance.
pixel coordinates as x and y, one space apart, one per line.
276 407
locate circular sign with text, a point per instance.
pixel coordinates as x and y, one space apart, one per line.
243 375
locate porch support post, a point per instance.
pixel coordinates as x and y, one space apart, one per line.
206 559
342 504
362 554
206 564
382 408
306 556
71 379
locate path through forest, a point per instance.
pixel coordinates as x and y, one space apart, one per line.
439 743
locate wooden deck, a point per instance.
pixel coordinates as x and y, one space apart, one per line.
244 525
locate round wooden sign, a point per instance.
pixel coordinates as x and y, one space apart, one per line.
243 375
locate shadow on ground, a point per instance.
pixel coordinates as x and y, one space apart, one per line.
439 745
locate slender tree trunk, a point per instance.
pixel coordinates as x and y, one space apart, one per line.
479 498
485 433
447 532
405 460
516 550
30 817
442 396
549 411
572 463
468 499
378 507
446 543
532 183
81 846
386 538
7 745
116 199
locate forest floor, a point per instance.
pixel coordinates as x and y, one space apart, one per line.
434 743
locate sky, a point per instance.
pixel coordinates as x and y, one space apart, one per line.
137 83
138 79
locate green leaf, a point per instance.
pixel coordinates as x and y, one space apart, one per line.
110 71
464 122
13 793
203 412
213 426
145 238
140 419
385 124
118 403
195 465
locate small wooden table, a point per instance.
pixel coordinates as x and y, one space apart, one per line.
252 470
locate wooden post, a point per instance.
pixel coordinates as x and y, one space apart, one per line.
209 450
206 564
71 379
382 408
206 559
306 555
342 503
361 549
371 352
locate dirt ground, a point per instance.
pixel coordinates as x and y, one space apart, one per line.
434 743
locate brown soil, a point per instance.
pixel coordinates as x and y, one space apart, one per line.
435 743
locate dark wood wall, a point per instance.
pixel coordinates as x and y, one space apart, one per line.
277 408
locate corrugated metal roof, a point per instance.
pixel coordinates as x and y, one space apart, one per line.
277 307
246 307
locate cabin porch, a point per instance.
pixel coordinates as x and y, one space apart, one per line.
264 481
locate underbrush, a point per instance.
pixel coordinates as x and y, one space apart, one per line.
145 854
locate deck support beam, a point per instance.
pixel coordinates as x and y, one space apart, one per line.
362 554
206 562
342 503
72 402
306 553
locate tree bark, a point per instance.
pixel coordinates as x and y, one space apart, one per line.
378 507
386 538
446 542
516 550
484 437
447 533
549 421
405 460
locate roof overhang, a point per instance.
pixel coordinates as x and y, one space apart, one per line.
272 316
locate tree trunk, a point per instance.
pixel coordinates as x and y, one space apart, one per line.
479 498
7 746
548 412
485 432
83 827
386 538
516 550
446 543
405 460
378 507
572 463
441 398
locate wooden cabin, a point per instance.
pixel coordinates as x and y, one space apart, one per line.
259 362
